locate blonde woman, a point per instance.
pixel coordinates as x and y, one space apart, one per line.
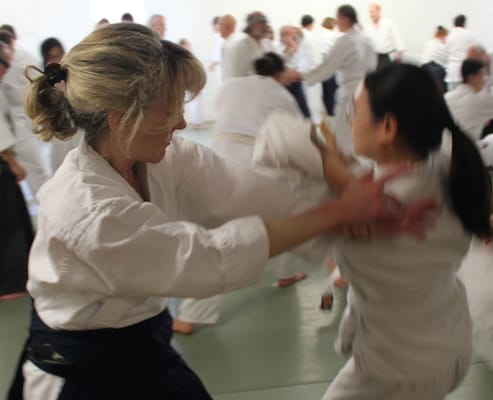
133 216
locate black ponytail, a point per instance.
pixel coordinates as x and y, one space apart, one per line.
469 184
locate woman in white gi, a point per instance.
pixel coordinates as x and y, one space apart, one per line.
351 57
407 320
131 217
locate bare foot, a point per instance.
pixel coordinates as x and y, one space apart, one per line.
298 276
340 282
327 301
183 327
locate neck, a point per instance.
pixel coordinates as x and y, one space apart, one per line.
114 154
394 159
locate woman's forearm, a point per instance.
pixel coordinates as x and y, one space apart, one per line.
289 232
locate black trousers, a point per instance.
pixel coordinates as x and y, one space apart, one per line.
329 88
296 89
16 234
438 73
383 60
131 363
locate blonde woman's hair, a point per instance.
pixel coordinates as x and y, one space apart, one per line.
121 68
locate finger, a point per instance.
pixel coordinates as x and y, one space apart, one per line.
423 207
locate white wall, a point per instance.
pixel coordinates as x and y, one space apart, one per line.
71 20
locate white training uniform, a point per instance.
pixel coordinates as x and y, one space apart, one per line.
385 36
60 148
227 54
477 273
434 51
7 138
103 257
470 109
28 147
244 105
350 59
458 42
239 56
408 316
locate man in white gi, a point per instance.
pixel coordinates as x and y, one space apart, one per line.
227 27
238 58
458 41
157 23
385 36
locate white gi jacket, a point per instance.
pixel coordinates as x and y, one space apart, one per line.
409 311
408 308
470 109
434 50
458 42
385 36
7 138
103 257
28 147
350 59
244 104
238 57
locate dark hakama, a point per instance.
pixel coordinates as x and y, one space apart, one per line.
16 234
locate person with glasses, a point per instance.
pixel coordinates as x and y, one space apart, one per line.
135 215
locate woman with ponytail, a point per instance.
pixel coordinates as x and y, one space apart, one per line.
407 321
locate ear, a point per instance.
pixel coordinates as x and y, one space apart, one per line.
388 133
114 122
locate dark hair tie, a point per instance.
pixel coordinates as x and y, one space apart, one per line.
55 73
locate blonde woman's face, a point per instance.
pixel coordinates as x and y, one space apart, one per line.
154 134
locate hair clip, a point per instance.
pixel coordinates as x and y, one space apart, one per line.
55 73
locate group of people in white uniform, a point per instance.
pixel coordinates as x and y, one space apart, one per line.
207 222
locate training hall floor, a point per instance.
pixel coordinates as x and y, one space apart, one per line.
270 343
